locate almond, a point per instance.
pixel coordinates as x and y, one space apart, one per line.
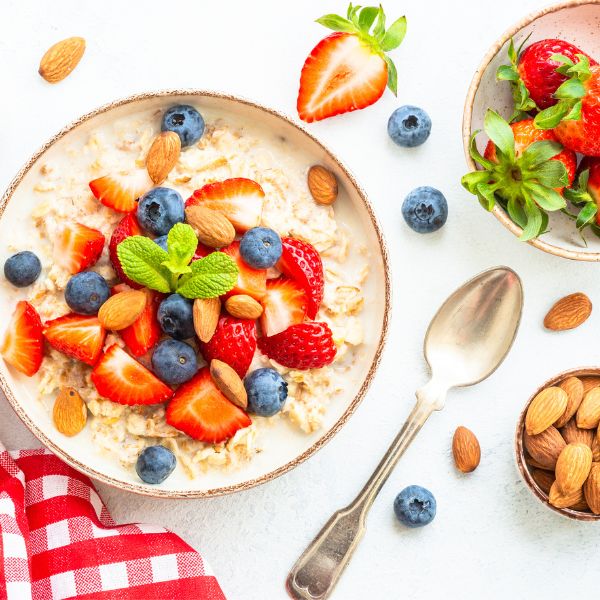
562 500
591 489
322 185
243 307
122 309
544 479
572 467
596 449
163 156
206 316
465 449
588 413
574 435
544 409
574 389
229 382
61 59
212 227
545 447
70 412
569 312
534 464
589 383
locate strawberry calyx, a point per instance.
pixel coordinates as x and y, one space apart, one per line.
579 195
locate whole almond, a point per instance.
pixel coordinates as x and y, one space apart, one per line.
545 447
589 383
588 413
534 464
61 58
229 382
206 313
572 467
561 500
573 386
213 228
465 450
69 413
544 479
591 489
242 306
596 449
544 409
122 309
569 312
163 156
322 185
574 435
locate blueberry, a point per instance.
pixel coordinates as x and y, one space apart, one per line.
155 464
415 506
162 242
159 209
267 392
174 362
186 122
425 209
409 126
175 317
86 292
22 268
260 247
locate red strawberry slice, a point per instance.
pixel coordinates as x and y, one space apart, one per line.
120 191
127 227
201 411
283 305
304 346
122 379
78 247
252 282
145 332
240 200
23 344
233 342
202 251
301 262
77 336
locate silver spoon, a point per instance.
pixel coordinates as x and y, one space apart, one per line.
466 341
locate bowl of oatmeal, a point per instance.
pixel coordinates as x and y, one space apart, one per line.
322 308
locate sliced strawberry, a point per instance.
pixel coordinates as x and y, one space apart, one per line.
122 379
120 191
240 200
76 336
201 411
23 344
145 332
252 282
127 227
77 247
283 305
301 262
233 342
202 251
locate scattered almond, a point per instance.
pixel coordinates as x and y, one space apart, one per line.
466 450
569 312
588 413
70 412
242 306
589 383
322 185
206 316
573 386
574 435
545 447
163 156
572 467
543 478
61 58
122 309
229 382
213 228
545 409
562 500
591 489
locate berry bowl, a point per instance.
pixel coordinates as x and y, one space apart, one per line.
577 22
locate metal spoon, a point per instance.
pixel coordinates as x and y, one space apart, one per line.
466 341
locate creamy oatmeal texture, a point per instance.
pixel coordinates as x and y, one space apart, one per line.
227 149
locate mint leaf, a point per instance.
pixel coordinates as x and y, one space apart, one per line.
394 35
182 243
210 276
500 133
141 260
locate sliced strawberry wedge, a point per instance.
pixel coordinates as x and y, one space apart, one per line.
120 191
23 344
122 379
240 200
144 333
128 226
77 336
283 305
78 247
252 282
201 411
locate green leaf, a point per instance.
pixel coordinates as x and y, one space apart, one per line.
562 59
367 17
182 243
516 212
470 181
586 215
512 53
211 276
551 117
392 81
507 73
539 152
534 223
486 194
379 29
570 89
394 35
500 133
141 260
545 197
552 174
476 155
337 23
575 113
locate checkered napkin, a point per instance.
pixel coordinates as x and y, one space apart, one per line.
57 540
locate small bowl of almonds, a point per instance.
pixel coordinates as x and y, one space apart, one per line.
558 444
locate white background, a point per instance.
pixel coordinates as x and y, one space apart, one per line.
491 538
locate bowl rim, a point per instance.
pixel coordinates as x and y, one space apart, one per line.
496 47
520 447
145 489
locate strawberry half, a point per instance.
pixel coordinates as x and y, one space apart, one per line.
127 227
77 336
284 304
349 69
252 282
144 333
78 247
201 411
23 344
120 191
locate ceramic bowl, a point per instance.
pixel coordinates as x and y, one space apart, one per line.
576 21
520 451
283 447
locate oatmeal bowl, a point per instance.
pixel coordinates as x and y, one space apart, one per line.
196 294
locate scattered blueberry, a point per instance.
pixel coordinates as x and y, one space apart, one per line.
174 362
86 292
186 122
415 506
155 464
260 247
175 317
22 268
267 392
409 126
162 242
159 209
425 209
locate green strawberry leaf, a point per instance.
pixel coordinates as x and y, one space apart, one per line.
182 243
141 260
579 193
486 195
539 152
379 29
586 215
470 181
570 89
507 73
552 116
499 131
575 113
475 154
545 197
337 23
516 212
535 222
394 35
367 17
210 276
513 55
552 174
392 81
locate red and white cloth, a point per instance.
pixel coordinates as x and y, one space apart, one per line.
57 540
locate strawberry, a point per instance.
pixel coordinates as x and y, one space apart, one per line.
120 191
586 194
240 200
77 336
122 379
349 69
252 282
77 247
23 344
284 304
301 261
303 346
233 342
201 411
202 251
128 226
144 333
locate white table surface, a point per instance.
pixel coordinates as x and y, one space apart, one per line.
490 538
